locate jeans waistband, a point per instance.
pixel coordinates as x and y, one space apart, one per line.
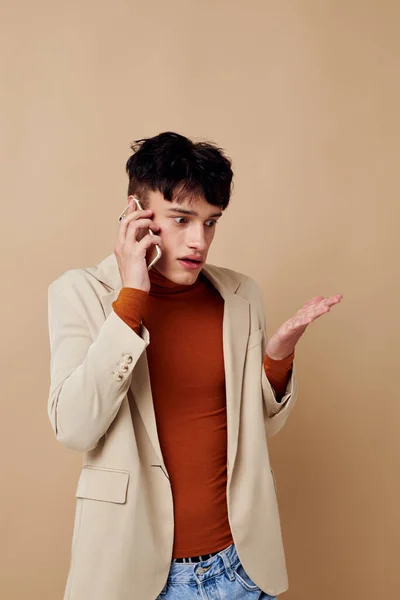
196 559
224 560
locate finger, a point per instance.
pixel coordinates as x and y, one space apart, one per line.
131 216
139 225
309 315
150 240
312 311
129 209
319 305
314 300
311 302
333 299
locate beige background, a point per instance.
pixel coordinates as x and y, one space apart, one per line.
304 96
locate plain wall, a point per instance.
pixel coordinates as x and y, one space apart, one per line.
304 97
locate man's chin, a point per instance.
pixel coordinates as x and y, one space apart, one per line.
180 274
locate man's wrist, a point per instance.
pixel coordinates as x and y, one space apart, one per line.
280 356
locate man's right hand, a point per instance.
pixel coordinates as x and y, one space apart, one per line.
132 245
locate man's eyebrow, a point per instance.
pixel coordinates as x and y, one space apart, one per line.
184 211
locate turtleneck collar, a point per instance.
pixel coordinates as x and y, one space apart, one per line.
161 285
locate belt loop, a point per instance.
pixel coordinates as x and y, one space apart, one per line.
227 565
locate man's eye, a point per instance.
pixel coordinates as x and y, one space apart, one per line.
183 221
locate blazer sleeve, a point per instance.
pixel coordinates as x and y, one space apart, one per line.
276 412
86 387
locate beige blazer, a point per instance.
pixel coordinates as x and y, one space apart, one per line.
100 404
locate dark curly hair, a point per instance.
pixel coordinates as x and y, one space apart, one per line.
179 168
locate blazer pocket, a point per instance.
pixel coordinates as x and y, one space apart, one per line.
107 485
255 338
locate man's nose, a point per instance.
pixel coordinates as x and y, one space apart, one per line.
196 238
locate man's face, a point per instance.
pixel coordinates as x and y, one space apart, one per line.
186 230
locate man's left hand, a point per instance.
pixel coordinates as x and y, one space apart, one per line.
284 340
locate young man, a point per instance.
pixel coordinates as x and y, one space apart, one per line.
165 381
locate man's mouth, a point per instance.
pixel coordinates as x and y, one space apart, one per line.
191 263
192 259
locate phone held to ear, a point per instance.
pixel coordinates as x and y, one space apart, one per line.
156 246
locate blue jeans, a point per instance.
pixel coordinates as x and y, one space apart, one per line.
220 577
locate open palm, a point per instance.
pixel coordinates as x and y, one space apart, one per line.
284 340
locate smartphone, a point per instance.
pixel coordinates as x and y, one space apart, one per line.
157 257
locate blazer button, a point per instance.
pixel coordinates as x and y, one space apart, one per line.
124 367
127 358
117 376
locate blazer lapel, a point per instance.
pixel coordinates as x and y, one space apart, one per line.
236 326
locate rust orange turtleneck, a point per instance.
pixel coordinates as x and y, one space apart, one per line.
186 368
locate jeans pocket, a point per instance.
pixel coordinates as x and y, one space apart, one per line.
244 580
